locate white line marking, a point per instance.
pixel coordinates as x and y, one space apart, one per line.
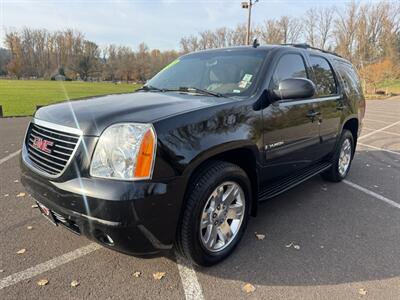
190 284
392 133
378 148
48 265
373 120
3 160
373 194
378 130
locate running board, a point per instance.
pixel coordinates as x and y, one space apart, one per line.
291 181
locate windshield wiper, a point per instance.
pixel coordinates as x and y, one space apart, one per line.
199 91
150 88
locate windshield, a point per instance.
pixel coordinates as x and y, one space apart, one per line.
228 73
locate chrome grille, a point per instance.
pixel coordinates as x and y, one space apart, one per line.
60 147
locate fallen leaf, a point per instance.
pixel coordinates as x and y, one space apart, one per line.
29 227
34 206
21 195
43 282
74 283
362 292
158 275
260 236
297 247
137 274
22 251
248 288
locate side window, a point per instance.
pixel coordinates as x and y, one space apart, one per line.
289 66
324 78
350 78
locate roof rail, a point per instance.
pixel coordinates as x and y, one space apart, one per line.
307 46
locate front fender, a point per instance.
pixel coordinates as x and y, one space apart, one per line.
185 141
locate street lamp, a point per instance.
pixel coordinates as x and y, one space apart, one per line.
248 5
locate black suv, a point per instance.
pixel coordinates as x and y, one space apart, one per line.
185 160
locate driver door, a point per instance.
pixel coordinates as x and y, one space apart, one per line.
291 126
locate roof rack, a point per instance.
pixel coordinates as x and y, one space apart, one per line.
307 46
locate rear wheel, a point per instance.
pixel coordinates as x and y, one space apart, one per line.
215 215
342 158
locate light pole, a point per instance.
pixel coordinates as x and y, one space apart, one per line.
248 5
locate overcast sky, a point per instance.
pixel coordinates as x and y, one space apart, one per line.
158 23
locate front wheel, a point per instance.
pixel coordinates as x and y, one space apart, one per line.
215 215
342 158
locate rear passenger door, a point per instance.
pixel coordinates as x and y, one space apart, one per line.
329 101
291 137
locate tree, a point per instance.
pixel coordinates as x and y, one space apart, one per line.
5 57
87 62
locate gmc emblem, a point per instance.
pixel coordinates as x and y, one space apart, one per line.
42 145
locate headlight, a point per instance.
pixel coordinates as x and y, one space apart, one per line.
125 151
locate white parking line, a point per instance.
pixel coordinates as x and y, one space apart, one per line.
48 265
378 130
3 160
380 149
374 120
191 285
373 194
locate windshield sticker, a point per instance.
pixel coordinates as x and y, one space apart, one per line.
243 84
171 64
247 77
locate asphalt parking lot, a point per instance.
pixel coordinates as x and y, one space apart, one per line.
347 238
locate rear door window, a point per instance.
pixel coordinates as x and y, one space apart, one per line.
324 77
289 66
350 78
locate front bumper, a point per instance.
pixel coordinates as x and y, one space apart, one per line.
139 217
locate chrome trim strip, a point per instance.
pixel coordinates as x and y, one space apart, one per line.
58 128
284 103
71 136
38 162
47 154
62 147
37 155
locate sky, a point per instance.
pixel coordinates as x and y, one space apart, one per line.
158 23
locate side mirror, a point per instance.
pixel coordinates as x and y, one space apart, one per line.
294 88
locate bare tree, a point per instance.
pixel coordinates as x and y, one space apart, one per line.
325 18
310 21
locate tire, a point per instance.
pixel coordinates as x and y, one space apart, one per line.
214 182
335 173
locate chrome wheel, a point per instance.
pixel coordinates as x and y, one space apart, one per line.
344 157
222 216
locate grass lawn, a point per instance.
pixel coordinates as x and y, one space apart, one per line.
20 97
391 86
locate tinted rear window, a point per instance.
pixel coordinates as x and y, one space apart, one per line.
324 78
350 78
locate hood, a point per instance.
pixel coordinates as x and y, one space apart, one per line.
93 115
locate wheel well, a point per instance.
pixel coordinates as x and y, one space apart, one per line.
245 159
352 125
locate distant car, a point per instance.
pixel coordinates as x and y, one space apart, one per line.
185 160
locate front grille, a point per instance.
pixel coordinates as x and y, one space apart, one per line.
55 156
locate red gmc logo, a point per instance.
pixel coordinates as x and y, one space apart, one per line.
42 145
